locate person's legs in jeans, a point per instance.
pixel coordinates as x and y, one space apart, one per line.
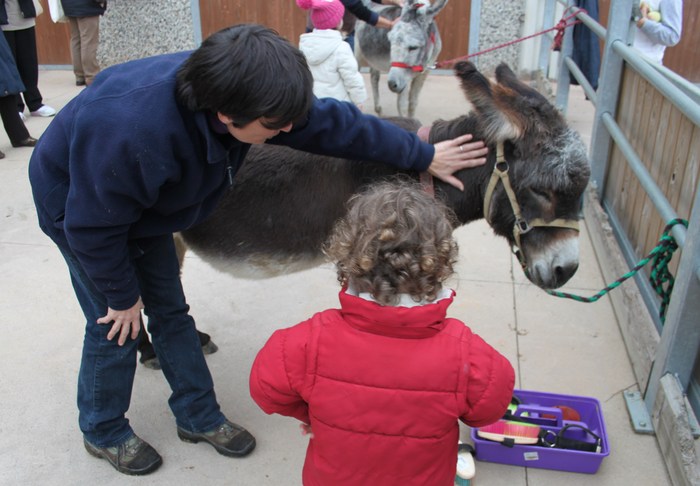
107 370
174 336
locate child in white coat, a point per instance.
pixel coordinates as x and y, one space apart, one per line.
332 63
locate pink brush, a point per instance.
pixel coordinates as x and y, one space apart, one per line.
506 430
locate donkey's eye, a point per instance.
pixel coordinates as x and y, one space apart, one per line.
413 48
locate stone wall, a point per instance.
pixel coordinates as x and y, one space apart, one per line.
132 29
501 22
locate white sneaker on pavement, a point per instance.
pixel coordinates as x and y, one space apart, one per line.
22 116
45 110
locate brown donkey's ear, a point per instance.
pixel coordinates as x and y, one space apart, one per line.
506 77
496 119
508 109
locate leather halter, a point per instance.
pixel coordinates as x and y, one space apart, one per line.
521 226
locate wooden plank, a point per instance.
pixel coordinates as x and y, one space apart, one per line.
652 161
674 435
52 40
644 130
617 181
672 146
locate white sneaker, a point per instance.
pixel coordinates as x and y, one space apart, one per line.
23 116
45 110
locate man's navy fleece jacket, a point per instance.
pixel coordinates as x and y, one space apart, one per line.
124 160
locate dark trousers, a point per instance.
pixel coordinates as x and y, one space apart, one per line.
23 46
107 370
14 126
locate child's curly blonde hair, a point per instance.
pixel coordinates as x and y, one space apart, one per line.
395 239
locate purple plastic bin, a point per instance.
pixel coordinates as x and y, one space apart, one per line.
536 404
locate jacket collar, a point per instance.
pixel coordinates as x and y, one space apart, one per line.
211 129
403 322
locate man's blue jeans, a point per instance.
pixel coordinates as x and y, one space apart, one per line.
107 370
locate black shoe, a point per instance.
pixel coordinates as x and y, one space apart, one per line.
134 456
27 142
80 82
228 439
2 155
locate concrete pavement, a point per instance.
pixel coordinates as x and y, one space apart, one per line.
556 345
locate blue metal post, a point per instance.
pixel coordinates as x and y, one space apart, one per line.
608 89
474 21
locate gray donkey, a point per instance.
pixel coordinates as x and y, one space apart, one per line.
406 52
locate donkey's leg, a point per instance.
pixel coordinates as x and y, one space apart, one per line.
374 78
416 87
148 355
180 249
402 103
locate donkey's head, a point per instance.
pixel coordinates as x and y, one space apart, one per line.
539 176
415 42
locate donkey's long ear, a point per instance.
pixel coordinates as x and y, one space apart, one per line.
435 8
506 77
495 121
508 109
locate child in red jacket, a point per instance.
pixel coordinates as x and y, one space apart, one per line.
383 380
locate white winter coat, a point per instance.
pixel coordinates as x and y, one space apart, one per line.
333 66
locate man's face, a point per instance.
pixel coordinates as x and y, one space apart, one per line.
255 131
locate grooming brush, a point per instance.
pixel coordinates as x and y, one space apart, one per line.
510 432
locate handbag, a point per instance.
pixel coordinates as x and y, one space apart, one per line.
56 10
37 6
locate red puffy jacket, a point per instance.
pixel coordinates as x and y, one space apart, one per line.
383 388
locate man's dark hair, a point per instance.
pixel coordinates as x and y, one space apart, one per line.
246 72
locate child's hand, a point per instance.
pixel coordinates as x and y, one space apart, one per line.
306 430
360 106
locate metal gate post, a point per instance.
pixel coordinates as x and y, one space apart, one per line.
619 21
474 23
563 80
546 41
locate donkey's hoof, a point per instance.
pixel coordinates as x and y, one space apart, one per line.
210 348
152 363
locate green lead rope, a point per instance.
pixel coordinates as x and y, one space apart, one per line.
661 279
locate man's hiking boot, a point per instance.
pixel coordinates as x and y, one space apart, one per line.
228 439
134 456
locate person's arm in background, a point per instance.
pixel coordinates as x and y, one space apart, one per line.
667 31
360 10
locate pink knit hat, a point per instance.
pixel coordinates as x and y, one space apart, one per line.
325 14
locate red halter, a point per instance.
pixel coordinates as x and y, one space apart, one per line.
418 68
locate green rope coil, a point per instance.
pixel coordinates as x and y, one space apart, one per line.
660 278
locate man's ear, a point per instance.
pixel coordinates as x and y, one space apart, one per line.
226 120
